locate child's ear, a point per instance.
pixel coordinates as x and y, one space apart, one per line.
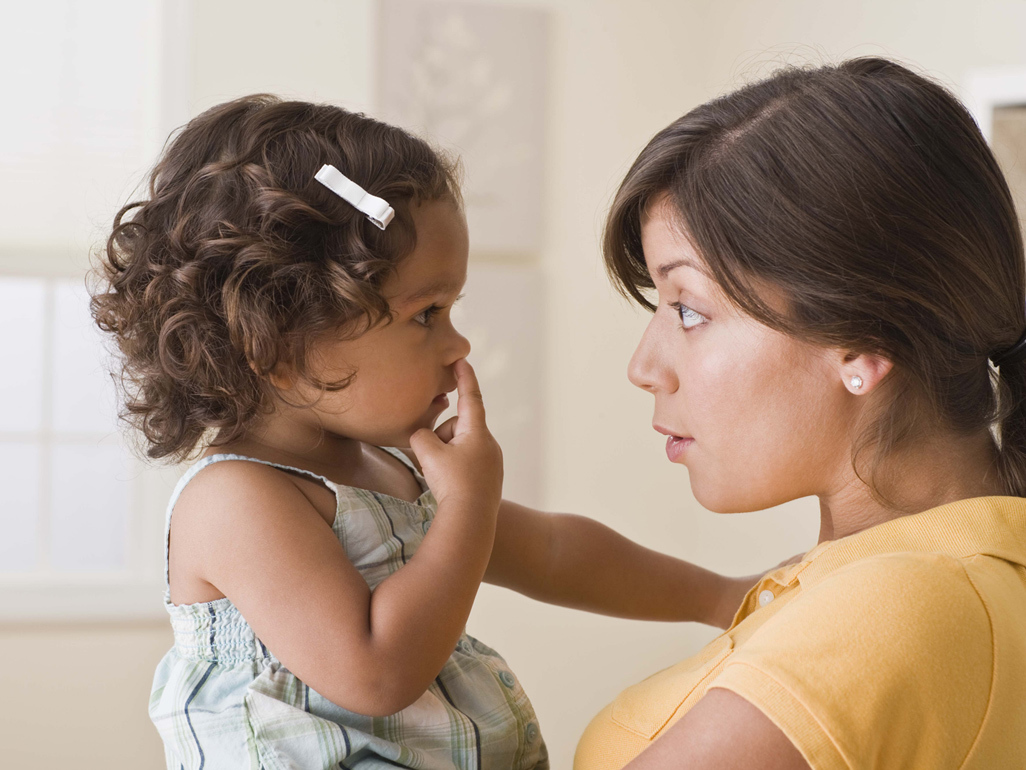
281 378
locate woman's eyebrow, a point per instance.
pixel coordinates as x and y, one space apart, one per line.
664 270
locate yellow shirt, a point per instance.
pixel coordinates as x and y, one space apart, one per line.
902 646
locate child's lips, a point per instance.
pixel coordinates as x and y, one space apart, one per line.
443 397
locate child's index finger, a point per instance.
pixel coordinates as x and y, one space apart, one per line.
470 406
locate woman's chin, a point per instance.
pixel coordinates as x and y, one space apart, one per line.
720 498
727 500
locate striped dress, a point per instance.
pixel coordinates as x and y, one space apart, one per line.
221 700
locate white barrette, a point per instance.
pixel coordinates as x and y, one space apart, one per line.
377 210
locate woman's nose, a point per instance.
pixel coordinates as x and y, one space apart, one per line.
648 368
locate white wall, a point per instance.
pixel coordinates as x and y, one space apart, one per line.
621 71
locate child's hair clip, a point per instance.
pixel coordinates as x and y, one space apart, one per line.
377 210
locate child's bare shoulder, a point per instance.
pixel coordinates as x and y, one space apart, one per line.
246 490
235 509
230 484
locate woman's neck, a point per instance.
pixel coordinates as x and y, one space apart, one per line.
935 472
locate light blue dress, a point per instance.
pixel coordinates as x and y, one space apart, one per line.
221 700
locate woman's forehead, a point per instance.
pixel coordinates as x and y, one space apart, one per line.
665 244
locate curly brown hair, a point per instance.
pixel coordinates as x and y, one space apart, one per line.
239 260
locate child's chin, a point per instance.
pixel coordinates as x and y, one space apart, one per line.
431 420
402 440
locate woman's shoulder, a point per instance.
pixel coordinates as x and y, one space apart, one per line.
896 607
881 658
891 577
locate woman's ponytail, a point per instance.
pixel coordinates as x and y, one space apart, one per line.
1011 433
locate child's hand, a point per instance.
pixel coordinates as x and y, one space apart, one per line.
461 460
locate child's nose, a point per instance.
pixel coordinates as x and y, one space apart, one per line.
459 348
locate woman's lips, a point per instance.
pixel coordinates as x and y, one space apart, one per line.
441 400
676 446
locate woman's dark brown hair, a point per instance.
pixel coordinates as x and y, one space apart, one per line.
867 196
238 259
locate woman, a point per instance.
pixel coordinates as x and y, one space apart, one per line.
839 310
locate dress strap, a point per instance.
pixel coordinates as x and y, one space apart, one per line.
190 474
402 457
405 460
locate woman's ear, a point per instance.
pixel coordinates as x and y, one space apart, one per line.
862 372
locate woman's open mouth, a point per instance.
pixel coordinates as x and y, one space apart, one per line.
675 445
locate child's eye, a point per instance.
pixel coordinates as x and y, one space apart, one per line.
689 318
427 315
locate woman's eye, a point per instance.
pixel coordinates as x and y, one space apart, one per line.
688 318
427 315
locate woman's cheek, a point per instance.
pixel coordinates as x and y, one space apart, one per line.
714 385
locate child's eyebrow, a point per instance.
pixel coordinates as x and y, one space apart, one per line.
434 289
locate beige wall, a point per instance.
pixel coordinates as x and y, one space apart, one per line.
76 695
621 71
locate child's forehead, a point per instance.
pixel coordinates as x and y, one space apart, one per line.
420 277
438 263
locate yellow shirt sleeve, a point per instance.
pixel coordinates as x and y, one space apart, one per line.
886 663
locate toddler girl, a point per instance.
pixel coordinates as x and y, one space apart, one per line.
281 302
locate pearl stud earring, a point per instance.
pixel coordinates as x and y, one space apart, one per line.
856 382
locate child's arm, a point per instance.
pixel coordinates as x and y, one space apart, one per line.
264 546
577 562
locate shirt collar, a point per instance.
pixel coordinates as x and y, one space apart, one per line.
989 526
992 526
